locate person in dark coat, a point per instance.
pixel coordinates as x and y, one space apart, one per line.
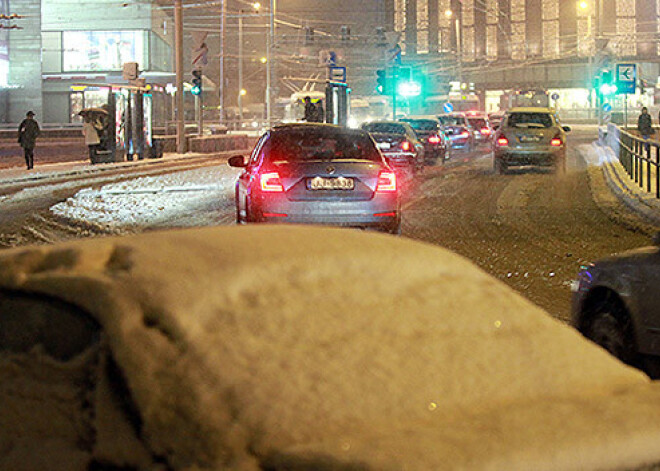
319 113
28 131
310 110
644 124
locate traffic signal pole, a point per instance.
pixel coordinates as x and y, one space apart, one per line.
178 42
395 76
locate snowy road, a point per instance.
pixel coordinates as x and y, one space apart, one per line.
530 228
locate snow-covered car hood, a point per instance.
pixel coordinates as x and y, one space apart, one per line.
284 347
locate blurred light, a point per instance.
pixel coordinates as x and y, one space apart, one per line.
256 5
583 5
243 92
352 122
409 89
263 60
449 13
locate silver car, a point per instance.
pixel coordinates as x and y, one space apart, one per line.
530 136
317 174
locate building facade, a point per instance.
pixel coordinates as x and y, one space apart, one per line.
65 48
498 45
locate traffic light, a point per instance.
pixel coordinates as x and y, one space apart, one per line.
407 86
607 85
381 82
196 82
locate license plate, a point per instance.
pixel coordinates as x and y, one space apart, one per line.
339 183
383 145
530 138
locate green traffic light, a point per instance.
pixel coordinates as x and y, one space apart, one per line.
196 90
409 89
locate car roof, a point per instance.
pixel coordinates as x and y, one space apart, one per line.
316 127
431 117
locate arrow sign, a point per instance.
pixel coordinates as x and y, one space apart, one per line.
626 78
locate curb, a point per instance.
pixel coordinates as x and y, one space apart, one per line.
625 189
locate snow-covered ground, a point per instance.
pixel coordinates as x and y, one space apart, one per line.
183 198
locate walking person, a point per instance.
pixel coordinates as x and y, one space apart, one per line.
91 134
28 131
645 125
310 110
319 113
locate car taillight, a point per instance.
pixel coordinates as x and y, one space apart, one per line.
405 146
502 141
434 139
556 141
270 182
485 131
386 182
465 134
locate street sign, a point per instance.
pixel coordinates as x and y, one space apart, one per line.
555 96
607 107
448 107
337 74
626 78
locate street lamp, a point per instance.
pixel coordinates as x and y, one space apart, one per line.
449 14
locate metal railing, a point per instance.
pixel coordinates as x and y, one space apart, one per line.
641 159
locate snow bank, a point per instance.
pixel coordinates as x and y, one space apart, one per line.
148 201
288 347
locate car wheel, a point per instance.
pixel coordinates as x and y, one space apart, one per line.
606 330
239 218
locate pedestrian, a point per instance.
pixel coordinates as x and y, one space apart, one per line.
644 124
91 136
310 110
319 114
28 131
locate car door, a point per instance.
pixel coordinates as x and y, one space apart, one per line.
247 175
648 284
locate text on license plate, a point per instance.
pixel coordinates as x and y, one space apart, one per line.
383 145
339 183
530 138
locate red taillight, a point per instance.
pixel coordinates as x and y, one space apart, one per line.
502 141
386 182
405 146
465 134
270 182
556 142
485 131
434 139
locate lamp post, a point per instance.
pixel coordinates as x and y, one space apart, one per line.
584 7
241 90
459 47
178 42
269 63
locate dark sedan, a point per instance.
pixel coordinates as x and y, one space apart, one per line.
616 304
317 174
399 144
429 131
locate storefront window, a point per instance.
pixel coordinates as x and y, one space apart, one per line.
102 50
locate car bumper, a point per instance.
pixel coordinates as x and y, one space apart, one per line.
382 212
541 157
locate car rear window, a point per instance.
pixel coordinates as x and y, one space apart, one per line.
310 145
423 124
478 122
452 120
529 120
389 128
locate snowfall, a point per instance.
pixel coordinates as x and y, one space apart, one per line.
298 348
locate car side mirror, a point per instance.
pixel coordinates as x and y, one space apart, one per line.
656 239
237 161
566 128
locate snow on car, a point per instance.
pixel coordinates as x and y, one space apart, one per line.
288 347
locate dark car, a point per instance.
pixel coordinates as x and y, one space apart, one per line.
458 130
429 131
530 136
317 174
399 144
616 303
482 130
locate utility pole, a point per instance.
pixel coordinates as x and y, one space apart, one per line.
178 41
240 68
221 86
269 65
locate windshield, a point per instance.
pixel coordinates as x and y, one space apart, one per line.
423 124
389 128
452 120
529 120
306 145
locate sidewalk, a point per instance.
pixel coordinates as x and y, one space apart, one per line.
48 171
644 204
